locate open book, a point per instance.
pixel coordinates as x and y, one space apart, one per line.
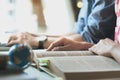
85 68
41 54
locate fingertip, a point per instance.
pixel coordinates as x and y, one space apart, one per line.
9 40
49 48
11 43
90 49
54 49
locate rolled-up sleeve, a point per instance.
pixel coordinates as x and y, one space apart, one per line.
98 23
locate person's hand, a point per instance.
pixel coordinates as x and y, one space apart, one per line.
65 44
104 47
22 37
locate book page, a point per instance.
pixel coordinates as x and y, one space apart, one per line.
85 63
40 53
84 67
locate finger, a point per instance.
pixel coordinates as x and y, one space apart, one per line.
62 48
109 41
32 34
12 43
92 48
19 40
12 38
57 43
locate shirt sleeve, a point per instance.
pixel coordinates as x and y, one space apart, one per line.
96 21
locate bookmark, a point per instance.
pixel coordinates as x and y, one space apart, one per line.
43 64
50 73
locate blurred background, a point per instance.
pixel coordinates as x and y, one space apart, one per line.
50 16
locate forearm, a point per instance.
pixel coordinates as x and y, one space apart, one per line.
49 41
74 36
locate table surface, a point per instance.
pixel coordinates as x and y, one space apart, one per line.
30 73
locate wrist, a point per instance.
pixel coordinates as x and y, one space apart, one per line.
115 50
41 39
87 45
